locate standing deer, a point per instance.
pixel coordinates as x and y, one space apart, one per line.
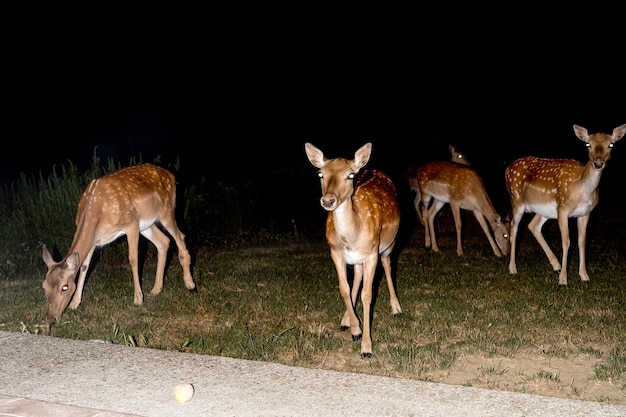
131 201
362 223
442 182
559 189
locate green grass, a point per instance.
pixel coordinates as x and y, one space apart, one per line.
280 303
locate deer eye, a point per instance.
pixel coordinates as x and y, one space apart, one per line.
64 288
319 174
611 145
588 145
351 176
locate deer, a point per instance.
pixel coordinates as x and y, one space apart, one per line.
361 226
438 183
458 156
559 189
132 201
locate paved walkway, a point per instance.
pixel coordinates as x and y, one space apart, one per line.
45 376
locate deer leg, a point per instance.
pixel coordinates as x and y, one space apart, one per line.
535 226
84 267
565 242
458 225
133 257
418 209
582 241
162 244
483 224
369 270
393 298
344 290
356 285
426 200
169 223
430 232
516 218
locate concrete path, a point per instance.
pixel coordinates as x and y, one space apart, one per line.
45 376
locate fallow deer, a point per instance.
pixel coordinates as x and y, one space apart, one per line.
437 183
362 223
559 189
131 201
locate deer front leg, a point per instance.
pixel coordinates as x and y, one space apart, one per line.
565 242
344 289
356 285
369 270
516 218
582 241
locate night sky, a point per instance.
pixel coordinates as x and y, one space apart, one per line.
234 94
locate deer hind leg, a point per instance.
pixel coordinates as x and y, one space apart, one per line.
169 223
458 225
393 298
133 257
162 244
582 239
535 226
483 224
418 208
431 235
84 267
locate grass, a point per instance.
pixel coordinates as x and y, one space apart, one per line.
280 303
277 300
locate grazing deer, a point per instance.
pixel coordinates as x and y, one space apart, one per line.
458 156
442 182
362 223
131 201
559 189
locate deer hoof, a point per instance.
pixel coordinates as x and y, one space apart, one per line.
356 337
366 355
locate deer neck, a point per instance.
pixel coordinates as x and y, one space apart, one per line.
345 220
590 177
84 238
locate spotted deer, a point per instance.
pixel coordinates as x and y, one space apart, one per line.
559 189
362 223
438 183
131 201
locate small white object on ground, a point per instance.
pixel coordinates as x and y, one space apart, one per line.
183 392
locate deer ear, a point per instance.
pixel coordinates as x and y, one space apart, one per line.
618 132
47 257
581 133
316 156
362 155
73 261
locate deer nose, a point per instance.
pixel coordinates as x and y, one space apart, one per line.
599 164
52 319
328 201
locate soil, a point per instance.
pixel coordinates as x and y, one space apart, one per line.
527 372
